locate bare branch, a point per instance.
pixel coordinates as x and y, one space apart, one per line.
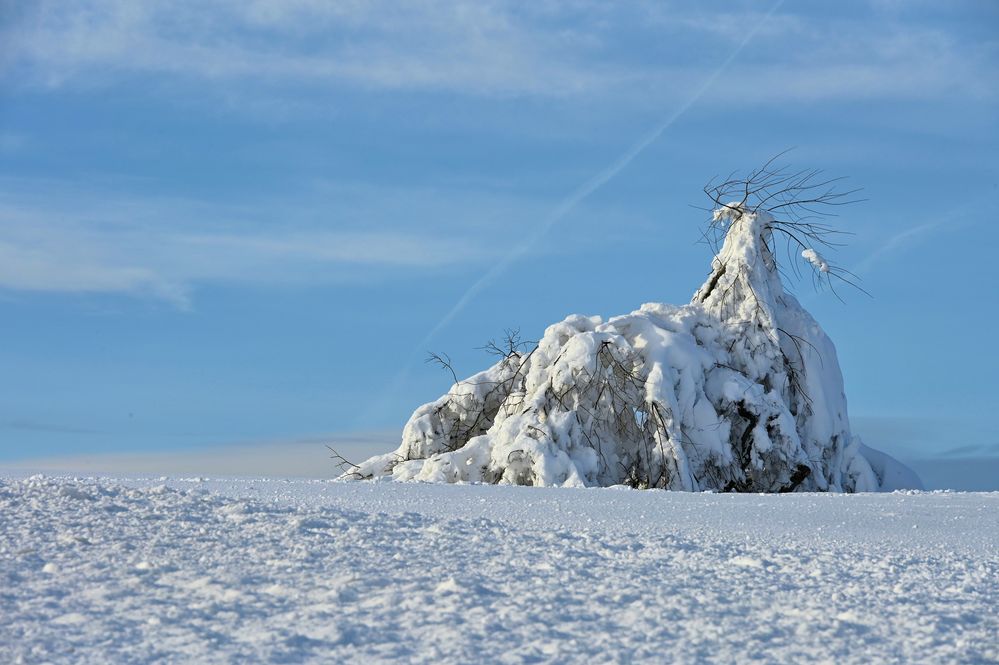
346 467
444 361
798 201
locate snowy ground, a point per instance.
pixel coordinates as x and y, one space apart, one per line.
181 570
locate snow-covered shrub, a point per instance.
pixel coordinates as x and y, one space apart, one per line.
738 390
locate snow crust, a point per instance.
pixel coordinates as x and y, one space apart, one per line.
738 390
255 570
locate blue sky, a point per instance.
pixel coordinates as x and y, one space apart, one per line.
236 222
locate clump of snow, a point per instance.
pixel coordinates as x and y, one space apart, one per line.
816 260
738 390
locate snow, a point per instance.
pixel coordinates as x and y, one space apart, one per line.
740 389
237 570
816 260
893 474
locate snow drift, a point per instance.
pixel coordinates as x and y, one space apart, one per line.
739 390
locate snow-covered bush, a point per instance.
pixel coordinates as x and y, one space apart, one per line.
738 390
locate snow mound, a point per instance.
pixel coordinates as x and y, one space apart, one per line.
893 474
738 390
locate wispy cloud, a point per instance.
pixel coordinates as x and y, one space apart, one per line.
64 240
65 258
494 48
479 47
51 265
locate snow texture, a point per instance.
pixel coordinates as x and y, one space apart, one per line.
738 390
192 570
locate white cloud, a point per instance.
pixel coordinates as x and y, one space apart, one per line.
67 258
495 48
473 46
61 239
51 265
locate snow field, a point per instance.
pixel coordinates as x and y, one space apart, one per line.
136 570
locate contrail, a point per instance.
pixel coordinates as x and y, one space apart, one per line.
577 196
590 186
912 232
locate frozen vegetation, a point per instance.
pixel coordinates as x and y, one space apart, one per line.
193 570
739 390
